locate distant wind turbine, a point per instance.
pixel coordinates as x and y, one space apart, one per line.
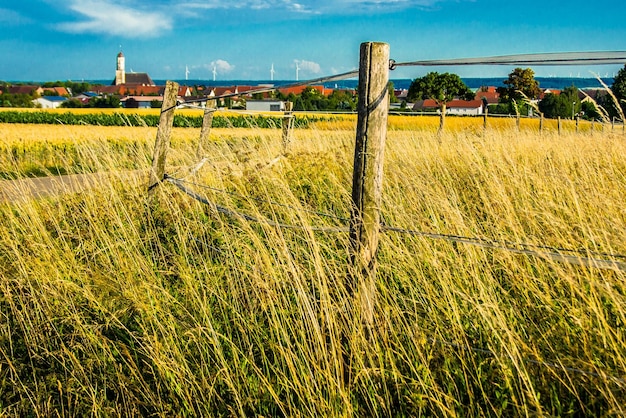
186 72
272 73
214 72
297 71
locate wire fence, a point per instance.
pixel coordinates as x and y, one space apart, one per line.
579 257
576 257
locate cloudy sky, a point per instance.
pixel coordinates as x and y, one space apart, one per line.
241 39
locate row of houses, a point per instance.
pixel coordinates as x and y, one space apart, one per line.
145 96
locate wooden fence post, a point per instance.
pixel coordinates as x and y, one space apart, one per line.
287 125
207 123
577 123
559 124
367 179
164 133
541 123
485 115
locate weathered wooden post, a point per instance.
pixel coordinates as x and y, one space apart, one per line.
485 115
577 123
559 124
367 179
287 125
164 132
207 122
541 123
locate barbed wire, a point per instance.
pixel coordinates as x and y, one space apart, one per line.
569 259
258 199
553 253
234 214
267 89
551 58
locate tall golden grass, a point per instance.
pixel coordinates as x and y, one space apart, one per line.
116 303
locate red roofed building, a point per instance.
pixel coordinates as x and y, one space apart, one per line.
454 107
298 90
32 90
490 94
60 91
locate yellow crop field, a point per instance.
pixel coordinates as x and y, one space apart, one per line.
500 283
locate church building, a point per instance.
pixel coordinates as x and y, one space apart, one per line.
131 78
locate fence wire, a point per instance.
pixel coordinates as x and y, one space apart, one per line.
267 89
553 253
554 58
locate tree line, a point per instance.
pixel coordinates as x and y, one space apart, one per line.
521 95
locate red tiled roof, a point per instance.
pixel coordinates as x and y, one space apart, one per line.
465 104
491 96
298 90
459 104
61 91
24 89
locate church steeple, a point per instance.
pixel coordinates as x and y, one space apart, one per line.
120 72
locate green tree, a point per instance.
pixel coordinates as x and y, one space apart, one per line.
392 93
105 102
564 105
441 88
619 91
520 86
72 103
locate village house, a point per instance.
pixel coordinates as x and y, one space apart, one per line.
57 91
266 105
141 102
30 90
49 102
488 94
455 107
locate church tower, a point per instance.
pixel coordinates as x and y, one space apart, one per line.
120 73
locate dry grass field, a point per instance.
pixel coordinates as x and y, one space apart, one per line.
117 303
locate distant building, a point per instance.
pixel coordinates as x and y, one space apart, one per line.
31 90
49 102
265 105
141 102
129 79
454 107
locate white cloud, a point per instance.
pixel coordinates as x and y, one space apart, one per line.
108 17
221 66
135 18
308 66
306 6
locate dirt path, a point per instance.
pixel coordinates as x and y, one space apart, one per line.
26 189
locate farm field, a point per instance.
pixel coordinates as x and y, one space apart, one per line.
114 302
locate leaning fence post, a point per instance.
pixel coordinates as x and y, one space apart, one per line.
559 124
367 179
287 123
164 133
207 122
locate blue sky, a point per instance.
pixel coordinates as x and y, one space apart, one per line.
78 40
